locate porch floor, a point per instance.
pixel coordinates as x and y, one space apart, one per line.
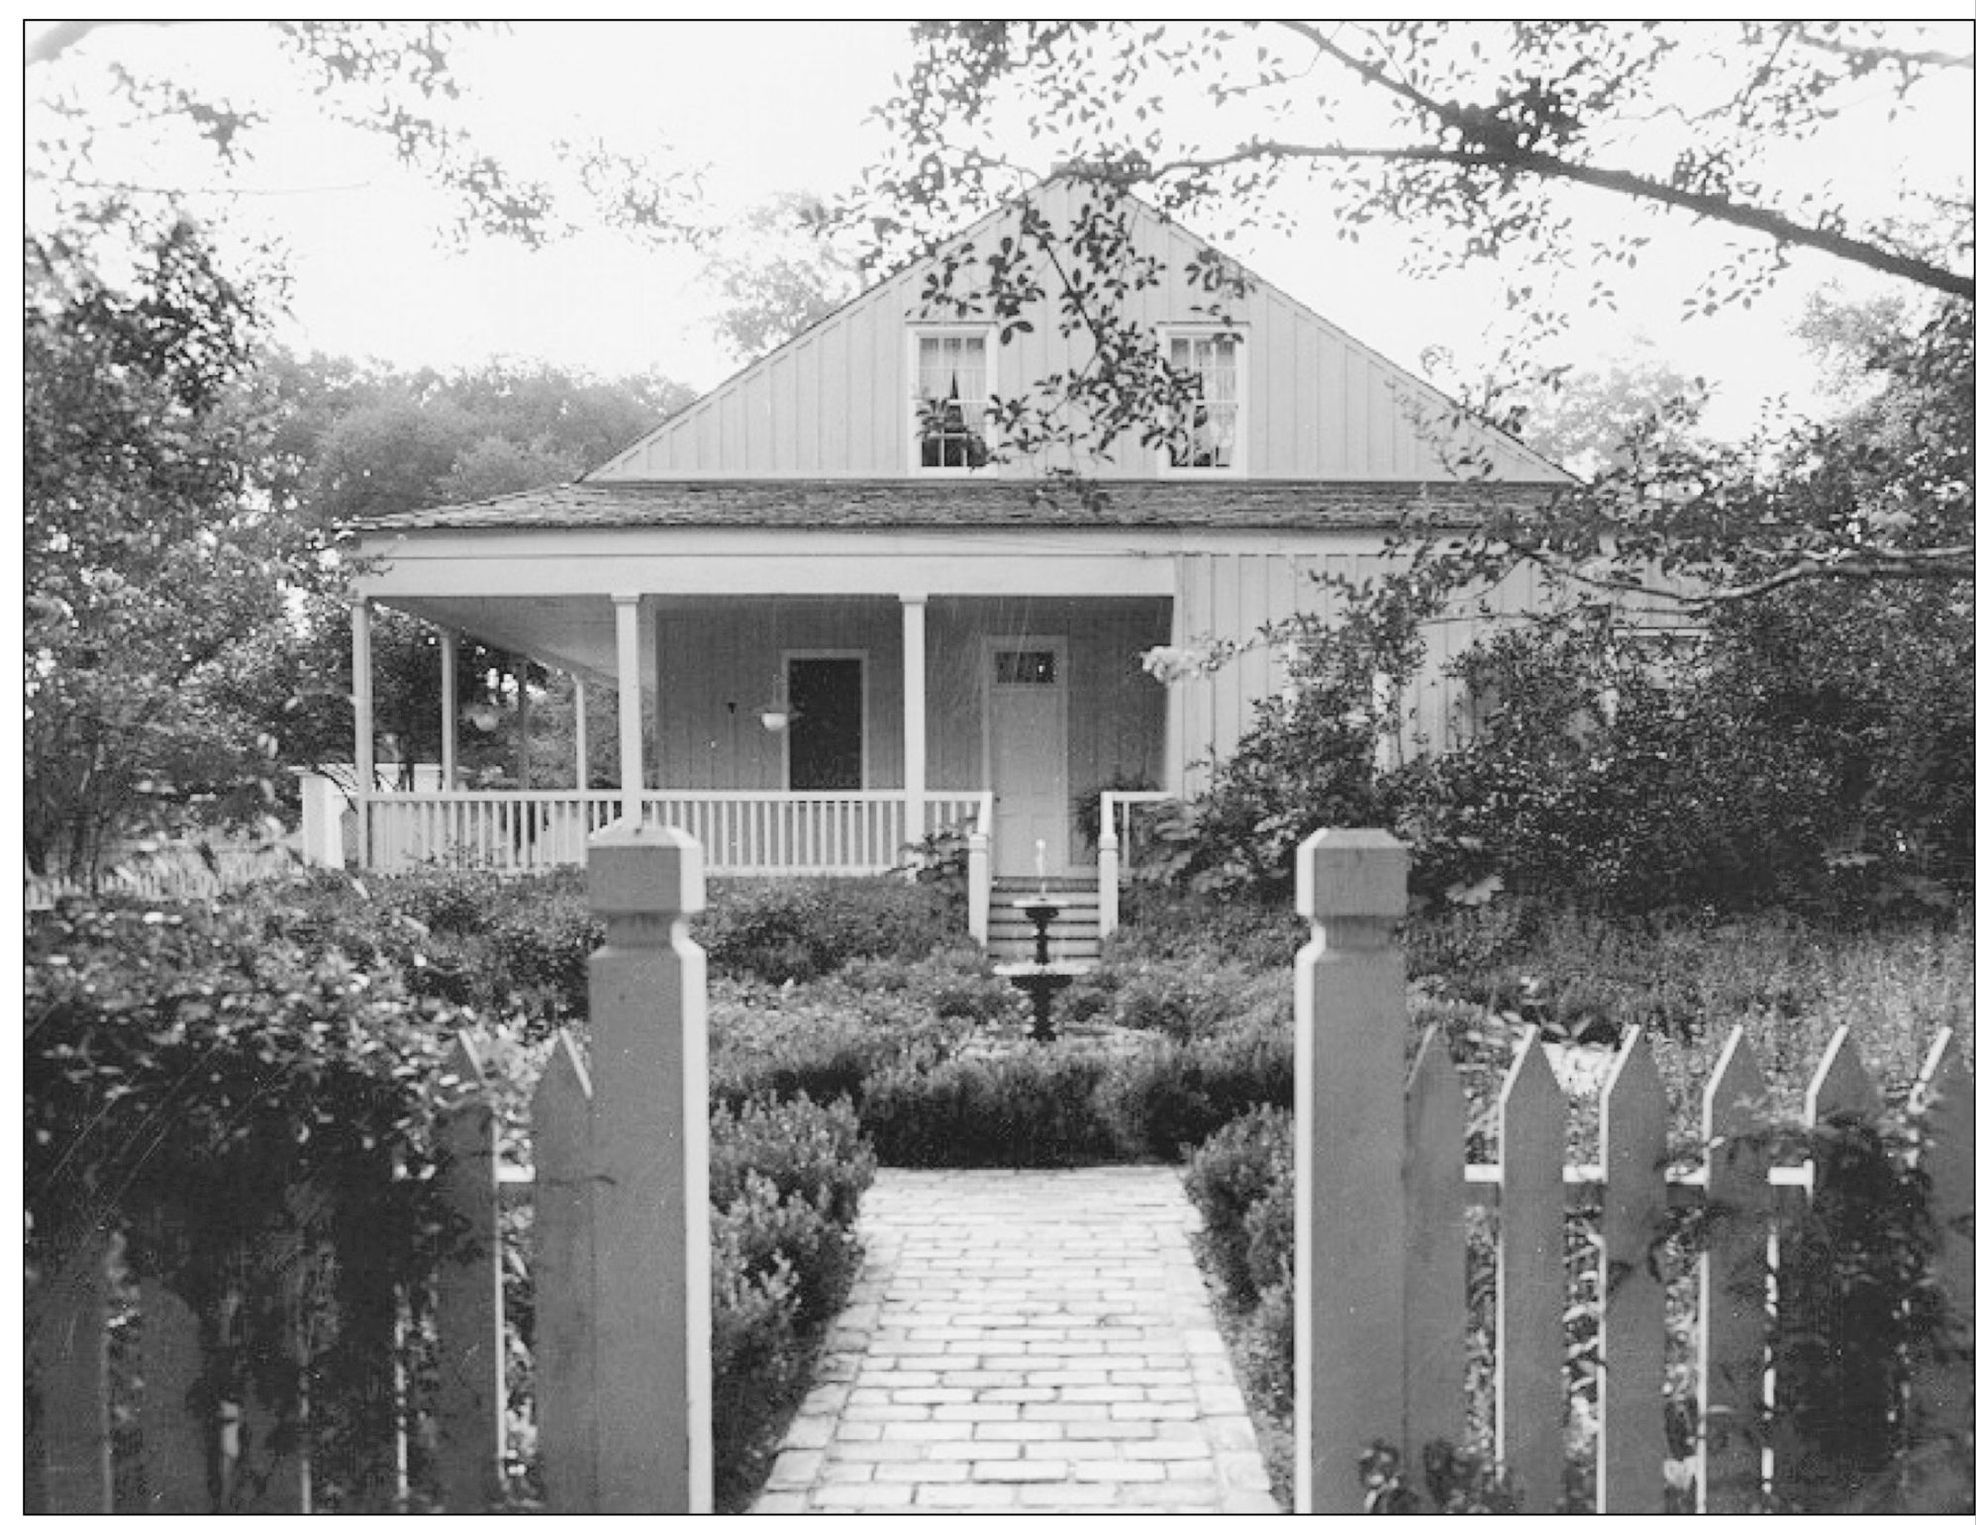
1024 1341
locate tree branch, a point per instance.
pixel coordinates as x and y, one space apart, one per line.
1935 564
1623 182
1495 152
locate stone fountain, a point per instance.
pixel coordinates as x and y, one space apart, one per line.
1038 979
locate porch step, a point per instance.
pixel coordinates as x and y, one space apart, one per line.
1012 937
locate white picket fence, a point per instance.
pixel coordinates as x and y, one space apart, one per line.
621 1278
182 876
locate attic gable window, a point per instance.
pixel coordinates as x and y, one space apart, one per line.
951 386
1211 440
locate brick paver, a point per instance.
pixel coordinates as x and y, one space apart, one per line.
1034 1341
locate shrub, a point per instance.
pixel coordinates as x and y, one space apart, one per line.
779 930
1227 1176
821 1042
757 1360
1026 1106
806 1151
1168 1096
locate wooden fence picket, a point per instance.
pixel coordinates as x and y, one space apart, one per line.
1940 1394
563 1267
68 1347
1530 1275
174 1436
1807 1301
1436 1301
469 1386
1633 1321
1735 1286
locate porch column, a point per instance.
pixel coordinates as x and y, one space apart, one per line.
361 700
631 720
1176 713
522 780
914 607
449 709
582 737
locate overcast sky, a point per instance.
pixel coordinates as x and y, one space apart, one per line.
769 107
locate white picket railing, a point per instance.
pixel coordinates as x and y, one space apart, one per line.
745 832
1115 847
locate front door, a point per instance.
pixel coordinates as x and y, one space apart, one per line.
1028 758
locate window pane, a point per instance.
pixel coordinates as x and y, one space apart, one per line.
1207 441
952 389
1028 667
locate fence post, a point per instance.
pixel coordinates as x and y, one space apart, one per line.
1107 876
323 807
648 1026
979 883
469 1399
1350 1143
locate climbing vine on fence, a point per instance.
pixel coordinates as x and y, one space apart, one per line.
254 1119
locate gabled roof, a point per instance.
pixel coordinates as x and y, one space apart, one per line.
903 504
834 401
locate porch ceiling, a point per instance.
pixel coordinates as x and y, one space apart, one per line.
577 635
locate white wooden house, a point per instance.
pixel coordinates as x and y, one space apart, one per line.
954 644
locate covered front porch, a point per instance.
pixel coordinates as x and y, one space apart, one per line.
792 734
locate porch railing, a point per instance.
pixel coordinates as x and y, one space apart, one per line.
745 832
1115 847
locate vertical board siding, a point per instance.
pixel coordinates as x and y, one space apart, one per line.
1233 596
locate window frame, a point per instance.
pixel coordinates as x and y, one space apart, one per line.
915 332
1238 464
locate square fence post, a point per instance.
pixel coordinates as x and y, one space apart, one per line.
654 1309
1350 1145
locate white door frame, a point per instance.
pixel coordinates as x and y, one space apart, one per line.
1059 646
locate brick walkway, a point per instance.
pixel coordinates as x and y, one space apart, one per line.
1024 1340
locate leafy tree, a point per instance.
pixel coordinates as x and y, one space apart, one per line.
368 441
154 567
1589 422
361 442
778 273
